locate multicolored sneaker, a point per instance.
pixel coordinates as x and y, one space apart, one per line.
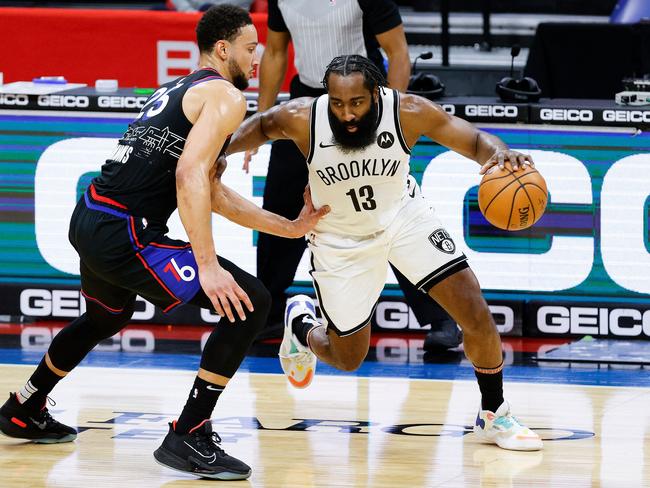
18 422
504 430
297 361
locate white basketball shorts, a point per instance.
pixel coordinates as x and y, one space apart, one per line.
349 273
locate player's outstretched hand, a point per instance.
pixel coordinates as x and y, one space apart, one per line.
517 160
309 216
224 292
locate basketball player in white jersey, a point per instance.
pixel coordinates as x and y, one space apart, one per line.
357 141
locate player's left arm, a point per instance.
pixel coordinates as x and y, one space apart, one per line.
423 117
237 209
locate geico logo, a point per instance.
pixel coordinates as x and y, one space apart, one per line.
450 108
626 116
36 302
40 338
624 322
121 102
566 114
508 111
396 315
68 101
9 99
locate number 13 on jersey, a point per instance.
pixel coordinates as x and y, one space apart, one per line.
364 200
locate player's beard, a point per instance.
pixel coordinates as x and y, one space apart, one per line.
362 137
238 77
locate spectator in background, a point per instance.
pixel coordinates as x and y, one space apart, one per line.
321 31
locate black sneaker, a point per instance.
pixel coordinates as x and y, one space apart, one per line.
16 421
198 453
446 335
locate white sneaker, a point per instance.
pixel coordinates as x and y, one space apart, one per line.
504 430
297 361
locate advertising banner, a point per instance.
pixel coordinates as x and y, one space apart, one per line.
584 268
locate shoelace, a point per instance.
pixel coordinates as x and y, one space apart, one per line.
302 357
210 443
510 420
44 414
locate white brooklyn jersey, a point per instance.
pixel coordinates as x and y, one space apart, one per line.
364 188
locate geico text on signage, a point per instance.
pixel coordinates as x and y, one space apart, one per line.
9 99
39 302
598 321
121 102
505 111
393 315
68 101
566 115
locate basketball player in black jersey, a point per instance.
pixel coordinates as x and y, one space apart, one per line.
378 217
168 158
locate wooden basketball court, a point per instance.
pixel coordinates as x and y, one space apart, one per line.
343 431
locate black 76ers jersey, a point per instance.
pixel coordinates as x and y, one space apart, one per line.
364 188
141 173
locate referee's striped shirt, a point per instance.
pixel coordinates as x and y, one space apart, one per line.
323 29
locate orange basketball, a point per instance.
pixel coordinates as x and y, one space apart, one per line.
512 200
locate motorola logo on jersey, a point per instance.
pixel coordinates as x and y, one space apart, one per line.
385 140
443 241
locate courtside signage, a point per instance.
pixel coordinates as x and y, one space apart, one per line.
590 250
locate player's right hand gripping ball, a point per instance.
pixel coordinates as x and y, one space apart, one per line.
512 200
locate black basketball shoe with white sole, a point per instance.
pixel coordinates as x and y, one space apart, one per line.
18 422
198 453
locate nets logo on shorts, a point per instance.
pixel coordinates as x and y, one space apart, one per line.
385 140
443 241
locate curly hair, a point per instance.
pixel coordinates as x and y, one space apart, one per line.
220 22
354 63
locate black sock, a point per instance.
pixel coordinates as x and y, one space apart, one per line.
491 386
199 405
40 384
301 326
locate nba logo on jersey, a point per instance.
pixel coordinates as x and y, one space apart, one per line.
443 241
385 140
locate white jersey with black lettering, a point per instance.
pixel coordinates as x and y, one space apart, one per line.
364 188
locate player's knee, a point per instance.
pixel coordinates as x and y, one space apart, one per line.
260 297
105 324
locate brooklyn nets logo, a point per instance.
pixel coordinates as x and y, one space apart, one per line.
443 241
385 140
